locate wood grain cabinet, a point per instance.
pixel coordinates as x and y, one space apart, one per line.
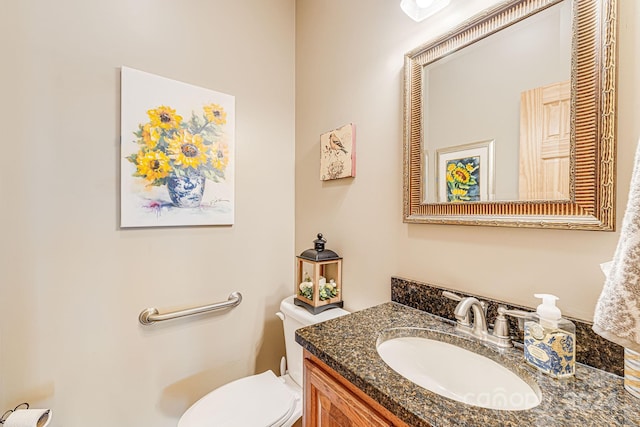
332 401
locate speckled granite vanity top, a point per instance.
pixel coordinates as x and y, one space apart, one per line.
348 345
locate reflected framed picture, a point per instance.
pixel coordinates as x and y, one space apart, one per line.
465 172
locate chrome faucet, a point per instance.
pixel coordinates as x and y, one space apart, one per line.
479 326
479 329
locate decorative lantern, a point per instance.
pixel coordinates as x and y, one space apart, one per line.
319 278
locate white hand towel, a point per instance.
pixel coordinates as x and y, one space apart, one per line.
617 315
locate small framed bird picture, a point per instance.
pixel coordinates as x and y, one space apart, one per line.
338 153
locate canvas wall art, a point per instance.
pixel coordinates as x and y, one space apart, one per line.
338 153
465 172
177 153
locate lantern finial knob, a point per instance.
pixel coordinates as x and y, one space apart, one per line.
318 244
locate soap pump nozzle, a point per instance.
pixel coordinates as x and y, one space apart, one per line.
547 311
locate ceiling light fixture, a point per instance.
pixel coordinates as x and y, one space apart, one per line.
421 9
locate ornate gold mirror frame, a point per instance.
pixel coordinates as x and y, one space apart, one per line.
593 125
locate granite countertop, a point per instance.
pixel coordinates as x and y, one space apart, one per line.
348 345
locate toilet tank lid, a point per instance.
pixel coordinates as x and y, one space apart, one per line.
302 315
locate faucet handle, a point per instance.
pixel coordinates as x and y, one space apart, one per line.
501 325
451 295
521 314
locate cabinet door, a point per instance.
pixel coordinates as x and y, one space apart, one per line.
329 404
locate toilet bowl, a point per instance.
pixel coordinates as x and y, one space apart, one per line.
262 400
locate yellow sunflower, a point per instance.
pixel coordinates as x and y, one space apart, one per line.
220 155
469 167
461 175
215 114
153 165
450 168
187 150
150 135
459 192
164 117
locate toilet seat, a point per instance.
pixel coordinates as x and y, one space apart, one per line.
259 400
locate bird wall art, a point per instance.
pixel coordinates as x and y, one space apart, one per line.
338 153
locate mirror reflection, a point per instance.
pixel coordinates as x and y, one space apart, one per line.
496 115
503 139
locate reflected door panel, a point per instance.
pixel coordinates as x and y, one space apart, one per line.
545 133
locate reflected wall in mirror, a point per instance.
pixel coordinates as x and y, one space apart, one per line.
475 94
536 78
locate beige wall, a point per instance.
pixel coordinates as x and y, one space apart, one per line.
349 59
71 282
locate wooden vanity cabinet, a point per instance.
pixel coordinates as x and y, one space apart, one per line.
332 401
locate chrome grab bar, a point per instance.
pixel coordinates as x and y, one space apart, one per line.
151 315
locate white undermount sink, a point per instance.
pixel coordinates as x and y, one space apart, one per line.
454 372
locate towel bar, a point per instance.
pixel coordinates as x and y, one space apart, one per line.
151 315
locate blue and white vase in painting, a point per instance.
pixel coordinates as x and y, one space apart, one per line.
186 191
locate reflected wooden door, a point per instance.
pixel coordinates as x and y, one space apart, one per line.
545 142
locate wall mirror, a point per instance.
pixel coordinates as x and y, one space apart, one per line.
510 119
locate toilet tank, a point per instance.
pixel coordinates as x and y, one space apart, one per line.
296 317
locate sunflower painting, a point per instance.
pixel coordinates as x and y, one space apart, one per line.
465 172
463 180
177 153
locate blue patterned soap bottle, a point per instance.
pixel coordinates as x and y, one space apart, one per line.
550 340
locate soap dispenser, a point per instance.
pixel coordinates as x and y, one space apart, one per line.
550 340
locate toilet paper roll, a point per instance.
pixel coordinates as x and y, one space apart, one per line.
28 418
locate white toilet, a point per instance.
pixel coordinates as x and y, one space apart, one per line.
262 400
